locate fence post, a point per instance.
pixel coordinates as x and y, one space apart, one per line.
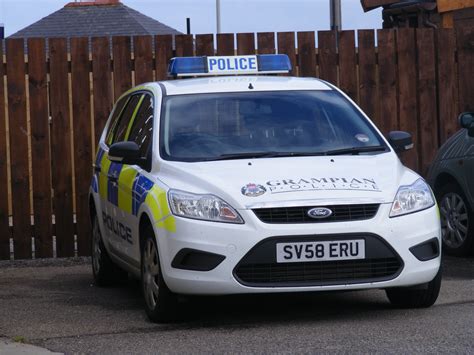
4 220
465 42
40 147
367 75
82 132
427 99
62 165
19 148
407 73
447 85
327 56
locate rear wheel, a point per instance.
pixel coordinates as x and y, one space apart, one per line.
457 220
105 272
420 296
160 302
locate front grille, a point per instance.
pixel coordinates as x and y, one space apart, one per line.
318 273
258 268
340 213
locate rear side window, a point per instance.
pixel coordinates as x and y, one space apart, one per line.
120 130
142 127
115 116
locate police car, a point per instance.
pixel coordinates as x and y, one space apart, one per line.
231 184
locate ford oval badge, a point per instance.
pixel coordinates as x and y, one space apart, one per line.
319 212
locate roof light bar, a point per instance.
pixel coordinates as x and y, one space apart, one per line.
229 65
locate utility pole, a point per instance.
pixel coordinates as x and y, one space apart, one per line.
335 15
218 15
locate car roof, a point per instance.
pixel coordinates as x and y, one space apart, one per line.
241 84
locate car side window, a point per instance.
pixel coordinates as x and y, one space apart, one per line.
142 127
115 116
120 129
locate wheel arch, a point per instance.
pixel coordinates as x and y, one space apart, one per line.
92 207
443 179
143 225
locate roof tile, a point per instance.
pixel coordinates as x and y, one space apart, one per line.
95 21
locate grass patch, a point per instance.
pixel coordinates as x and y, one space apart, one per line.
19 339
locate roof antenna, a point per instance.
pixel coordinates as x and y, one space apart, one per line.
250 86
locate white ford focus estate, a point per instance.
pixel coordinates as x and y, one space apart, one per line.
257 184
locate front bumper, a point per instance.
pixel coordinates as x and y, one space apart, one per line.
235 241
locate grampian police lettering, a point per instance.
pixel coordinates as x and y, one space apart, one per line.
117 228
322 183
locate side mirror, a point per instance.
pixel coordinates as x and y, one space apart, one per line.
466 120
400 141
125 153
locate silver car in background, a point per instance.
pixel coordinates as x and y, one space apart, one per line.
452 178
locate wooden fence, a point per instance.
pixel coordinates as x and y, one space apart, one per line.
55 97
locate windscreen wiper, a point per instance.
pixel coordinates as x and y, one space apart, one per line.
357 150
270 154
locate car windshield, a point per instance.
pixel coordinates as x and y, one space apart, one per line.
218 126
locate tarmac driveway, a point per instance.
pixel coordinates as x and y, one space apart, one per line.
53 304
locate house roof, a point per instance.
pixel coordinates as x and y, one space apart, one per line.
94 19
372 4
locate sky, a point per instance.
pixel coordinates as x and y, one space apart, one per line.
236 15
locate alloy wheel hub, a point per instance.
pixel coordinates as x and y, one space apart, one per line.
454 220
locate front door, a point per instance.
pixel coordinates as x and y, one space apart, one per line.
134 181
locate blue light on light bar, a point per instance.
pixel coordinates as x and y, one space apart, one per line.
274 63
185 66
229 65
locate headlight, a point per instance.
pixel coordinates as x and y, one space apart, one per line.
412 198
205 207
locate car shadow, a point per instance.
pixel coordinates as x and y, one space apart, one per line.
458 268
242 311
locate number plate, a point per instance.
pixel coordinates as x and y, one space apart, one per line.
320 251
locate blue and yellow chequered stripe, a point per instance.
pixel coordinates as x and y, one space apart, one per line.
96 176
95 184
144 191
103 179
112 187
140 189
127 179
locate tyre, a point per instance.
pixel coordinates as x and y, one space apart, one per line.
105 272
420 296
160 302
457 220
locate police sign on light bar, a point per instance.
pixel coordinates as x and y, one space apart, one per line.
229 65
243 64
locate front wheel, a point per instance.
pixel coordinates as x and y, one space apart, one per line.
420 296
160 302
457 220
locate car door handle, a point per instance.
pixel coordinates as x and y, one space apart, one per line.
113 178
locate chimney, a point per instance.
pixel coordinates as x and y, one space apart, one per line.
93 3
2 31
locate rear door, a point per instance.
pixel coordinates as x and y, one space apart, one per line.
102 164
